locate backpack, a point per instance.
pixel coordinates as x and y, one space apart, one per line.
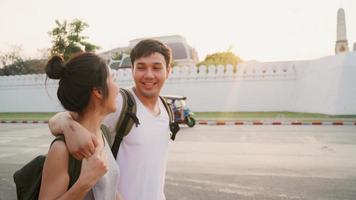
28 178
128 118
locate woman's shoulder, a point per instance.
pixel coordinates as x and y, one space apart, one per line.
55 177
58 151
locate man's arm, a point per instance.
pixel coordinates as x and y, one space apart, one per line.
79 143
59 120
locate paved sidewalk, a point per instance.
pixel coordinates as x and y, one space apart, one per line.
227 162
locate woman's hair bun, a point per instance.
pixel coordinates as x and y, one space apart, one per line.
55 67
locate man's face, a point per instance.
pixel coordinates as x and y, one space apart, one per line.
149 74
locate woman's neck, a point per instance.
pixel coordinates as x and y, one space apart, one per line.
91 120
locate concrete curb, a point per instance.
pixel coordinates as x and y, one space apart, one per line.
23 122
224 123
277 123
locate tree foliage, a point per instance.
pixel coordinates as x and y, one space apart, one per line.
13 64
67 39
221 58
11 56
20 67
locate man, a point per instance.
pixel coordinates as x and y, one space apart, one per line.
143 152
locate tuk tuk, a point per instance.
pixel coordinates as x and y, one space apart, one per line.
182 114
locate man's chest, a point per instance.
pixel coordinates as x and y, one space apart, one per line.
151 130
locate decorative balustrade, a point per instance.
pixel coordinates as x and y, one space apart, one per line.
245 71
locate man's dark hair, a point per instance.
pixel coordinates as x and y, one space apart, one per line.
148 47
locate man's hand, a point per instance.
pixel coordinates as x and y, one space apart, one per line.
79 141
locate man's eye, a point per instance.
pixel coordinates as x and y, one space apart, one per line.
140 67
157 67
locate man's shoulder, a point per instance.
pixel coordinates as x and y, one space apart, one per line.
119 103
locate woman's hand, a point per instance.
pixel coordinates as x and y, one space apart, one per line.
94 167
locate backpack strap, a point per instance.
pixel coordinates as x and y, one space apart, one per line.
106 133
173 126
74 165
126 120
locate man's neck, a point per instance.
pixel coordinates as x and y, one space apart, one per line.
151 103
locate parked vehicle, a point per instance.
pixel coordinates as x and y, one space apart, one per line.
182 114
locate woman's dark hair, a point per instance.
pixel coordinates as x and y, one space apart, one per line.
77 78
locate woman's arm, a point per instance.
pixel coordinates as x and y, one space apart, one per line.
118 196
55 177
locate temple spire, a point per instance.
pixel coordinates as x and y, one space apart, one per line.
341 38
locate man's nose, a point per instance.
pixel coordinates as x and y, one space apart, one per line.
149 73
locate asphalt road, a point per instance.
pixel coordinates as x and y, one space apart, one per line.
227 162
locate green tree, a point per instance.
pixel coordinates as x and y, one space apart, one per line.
35 66
11 56
20 67
67 39
13 64
15 68
221 58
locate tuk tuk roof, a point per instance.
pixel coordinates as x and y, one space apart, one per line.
174 97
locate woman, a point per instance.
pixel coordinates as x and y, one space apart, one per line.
87 88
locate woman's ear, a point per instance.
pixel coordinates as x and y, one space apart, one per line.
97 93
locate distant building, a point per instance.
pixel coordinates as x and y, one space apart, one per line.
108 55
183 54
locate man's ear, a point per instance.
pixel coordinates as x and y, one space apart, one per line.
97 93
169 70
133 69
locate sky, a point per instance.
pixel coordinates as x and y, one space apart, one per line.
263 30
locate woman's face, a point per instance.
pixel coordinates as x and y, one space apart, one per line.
113 90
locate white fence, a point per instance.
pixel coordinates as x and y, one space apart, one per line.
326 85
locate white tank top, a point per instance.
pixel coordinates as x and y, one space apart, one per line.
106 187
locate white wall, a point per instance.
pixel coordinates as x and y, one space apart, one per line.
326 85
